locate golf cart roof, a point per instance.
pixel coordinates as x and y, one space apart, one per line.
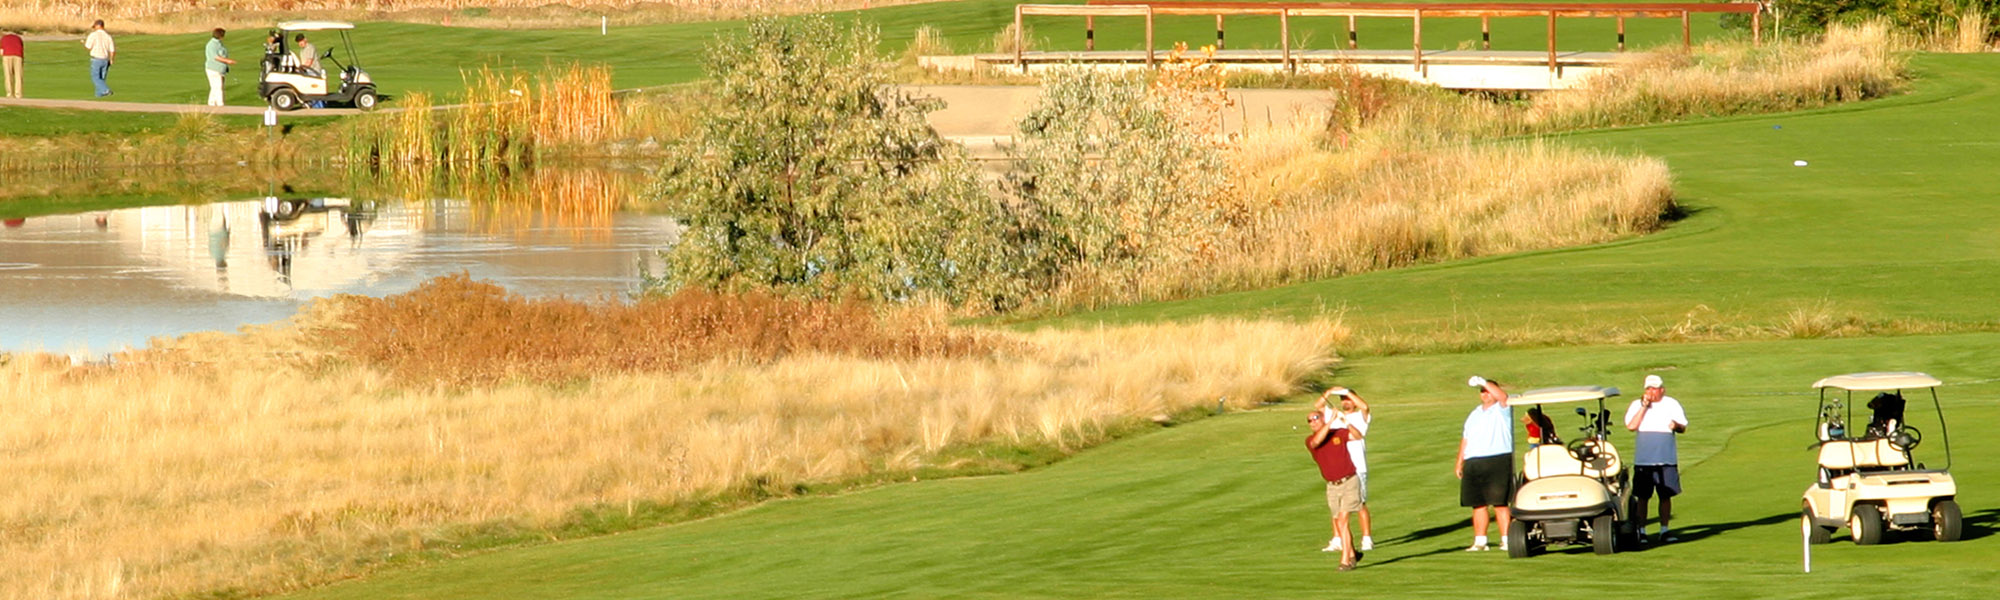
1875 382
1558 395
313 25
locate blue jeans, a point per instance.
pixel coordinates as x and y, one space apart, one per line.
99 69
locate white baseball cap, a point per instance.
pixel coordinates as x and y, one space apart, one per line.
1476 381
1653 381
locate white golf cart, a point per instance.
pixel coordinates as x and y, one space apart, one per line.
1868 480
1573 493
289 85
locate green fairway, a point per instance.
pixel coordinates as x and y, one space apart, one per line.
1890 219
1232 507
405 57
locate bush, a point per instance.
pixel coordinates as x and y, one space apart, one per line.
809 174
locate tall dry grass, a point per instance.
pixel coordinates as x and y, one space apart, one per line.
504 118
1847 63
246 463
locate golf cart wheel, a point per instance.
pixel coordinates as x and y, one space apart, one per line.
1603 534
286 99
1864 522
1814 532
365 100
1946 523
1517 539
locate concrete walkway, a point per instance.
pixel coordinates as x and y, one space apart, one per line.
160 107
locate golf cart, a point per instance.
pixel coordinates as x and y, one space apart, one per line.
1573 493
289 85
1868 480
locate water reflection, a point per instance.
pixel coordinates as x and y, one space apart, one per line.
103 280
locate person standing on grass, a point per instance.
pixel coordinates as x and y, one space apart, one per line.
1656 418
11 52
1354 412
1328 444
103 52
1485 465
218 66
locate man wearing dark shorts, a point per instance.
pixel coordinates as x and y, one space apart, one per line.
1657 418
1485 465
1328 444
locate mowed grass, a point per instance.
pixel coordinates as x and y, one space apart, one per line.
1231 507
1890 219
405 57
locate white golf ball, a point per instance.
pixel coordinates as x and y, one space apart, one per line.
1798 163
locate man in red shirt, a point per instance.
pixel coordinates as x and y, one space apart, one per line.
11 51
1328 444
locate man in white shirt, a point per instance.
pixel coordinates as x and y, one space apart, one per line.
1657 418
103 52
1354 412
1485 466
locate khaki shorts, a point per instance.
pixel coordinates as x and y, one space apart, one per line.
1343 496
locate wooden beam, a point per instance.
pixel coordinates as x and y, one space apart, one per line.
1687 40
1417 38
1285 38
1757 26
1552 41
1090 33
1621 34
1019 39
1218 32
1353 38
1149 36
1485 33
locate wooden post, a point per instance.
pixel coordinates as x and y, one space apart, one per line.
1552 41
1218 32
1757 25
1285 37
1687 40
1019 40
1090 33
1621 33
1485 33
1417 38
1353 39
1149 35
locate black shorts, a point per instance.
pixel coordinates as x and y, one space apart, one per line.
1488 481
1665 478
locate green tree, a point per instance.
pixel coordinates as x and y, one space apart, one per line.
810 174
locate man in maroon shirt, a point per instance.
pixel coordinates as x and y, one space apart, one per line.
1328 444
10 62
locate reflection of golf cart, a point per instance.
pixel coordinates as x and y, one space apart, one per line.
1575 493
287 85
1870 482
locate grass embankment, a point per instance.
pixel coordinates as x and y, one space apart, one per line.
1230 507
296 455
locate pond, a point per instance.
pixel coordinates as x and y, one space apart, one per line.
90 283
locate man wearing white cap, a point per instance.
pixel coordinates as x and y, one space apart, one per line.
1485 465
1657 418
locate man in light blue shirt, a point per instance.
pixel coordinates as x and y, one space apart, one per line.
1485 465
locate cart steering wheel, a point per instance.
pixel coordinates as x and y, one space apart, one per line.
1583 450
1905 438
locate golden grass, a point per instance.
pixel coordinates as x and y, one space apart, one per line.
245 462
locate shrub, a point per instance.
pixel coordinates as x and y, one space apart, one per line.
809 175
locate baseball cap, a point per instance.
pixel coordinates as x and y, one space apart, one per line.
1476 381
1653 381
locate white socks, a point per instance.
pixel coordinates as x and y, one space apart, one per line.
1478 540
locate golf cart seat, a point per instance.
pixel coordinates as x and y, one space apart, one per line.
1548 460
1840 456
